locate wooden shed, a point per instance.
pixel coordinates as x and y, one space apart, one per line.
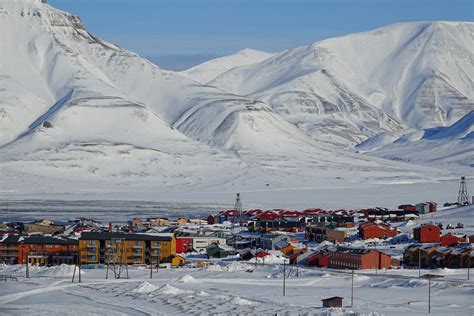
335 301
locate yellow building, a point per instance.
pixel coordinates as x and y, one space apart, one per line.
120 247
89 251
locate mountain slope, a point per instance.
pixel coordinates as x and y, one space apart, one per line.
80 112
209 70
451 146
350 88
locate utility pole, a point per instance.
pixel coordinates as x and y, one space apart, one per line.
468 265
419 262
429 277
79 264
284 277
27 267
352 289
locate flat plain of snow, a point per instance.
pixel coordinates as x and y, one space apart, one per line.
232 287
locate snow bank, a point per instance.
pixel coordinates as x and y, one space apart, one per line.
168 289
145 287
188 279
241 301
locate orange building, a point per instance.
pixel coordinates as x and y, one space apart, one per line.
371 230
359 258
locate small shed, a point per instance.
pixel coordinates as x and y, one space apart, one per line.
335 301
177 261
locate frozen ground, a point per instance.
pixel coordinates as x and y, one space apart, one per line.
232 287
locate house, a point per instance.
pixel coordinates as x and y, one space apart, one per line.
420 254
422 208
246 254
319 259
432 206
45 226
9 248
372 230
200 243
296 253
177 261
450 239
287 250
43 249
270 241
183 244
461 256
359 258
427 233
219 251
441 257
334 301
136 222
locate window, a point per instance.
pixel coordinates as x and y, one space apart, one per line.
92 242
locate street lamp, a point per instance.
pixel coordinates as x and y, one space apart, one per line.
429 277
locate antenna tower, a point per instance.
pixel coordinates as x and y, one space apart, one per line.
237 219
116 258
462 196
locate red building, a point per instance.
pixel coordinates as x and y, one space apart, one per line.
427 233
183 244
371 230
320 259
359 258
451 240
47 250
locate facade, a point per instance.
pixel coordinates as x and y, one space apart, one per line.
9 249
200 243
45 228
371 230
357 259
427 233
99 247
39 249
334 301
452 240
183 244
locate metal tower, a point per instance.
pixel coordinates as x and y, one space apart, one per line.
462 196
237 218
116 258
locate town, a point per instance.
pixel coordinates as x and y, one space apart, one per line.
374 238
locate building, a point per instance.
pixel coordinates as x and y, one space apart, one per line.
219 251
359 258
420 254
271 241
97 247
200 243
427 233
183 244
177 261
9 248
44 226
450 239
334 301
41 249
371 230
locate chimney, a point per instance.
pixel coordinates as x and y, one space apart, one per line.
110 226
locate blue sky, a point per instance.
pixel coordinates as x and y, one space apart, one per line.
196 28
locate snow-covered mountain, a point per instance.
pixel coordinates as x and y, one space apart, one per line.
441 146
348 89
78 112
209 70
